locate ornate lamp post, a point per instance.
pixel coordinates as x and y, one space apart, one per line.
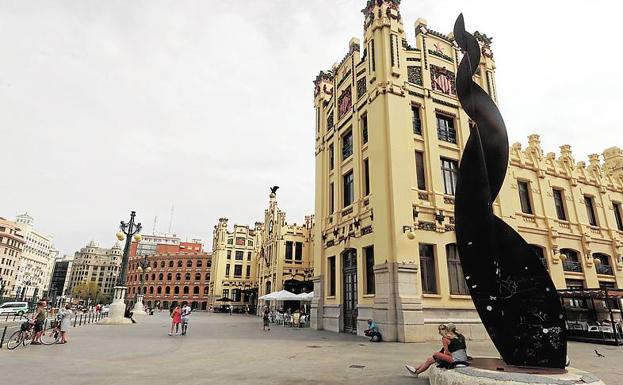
143 268
117 308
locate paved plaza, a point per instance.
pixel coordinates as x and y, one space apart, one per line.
233 349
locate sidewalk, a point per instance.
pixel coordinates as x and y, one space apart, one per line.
233 349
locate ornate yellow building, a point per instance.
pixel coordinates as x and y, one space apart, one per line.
285 256
389 136
249 263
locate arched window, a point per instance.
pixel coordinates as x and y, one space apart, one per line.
189 263
187 277
153 277
571 260
159 290
160 277
170 263
199 263
186 290
162 264
208 277
151 290
455 271
602 264
167 290
196 290
169 276
205 290
177 290
179 263
541 253
197 276
178 276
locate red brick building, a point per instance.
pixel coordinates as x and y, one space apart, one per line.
175 276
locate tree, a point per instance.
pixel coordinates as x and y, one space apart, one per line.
87 291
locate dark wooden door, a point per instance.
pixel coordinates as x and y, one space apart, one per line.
349 280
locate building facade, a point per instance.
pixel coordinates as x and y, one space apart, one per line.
285 257
234 264
11 245
389 136
61 274
173 278
96 264
35 267
156 243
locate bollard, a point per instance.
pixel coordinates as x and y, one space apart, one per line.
75 320
2 339
80 324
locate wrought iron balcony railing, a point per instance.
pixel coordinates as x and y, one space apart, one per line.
572 266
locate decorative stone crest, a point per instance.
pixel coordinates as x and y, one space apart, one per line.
443 80
345 102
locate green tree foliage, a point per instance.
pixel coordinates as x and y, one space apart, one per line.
87 291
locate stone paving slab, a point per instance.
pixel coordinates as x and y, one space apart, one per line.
223 349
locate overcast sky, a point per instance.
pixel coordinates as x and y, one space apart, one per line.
112 106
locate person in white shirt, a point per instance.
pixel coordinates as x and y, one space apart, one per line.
186 310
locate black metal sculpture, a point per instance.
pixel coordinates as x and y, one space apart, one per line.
513 293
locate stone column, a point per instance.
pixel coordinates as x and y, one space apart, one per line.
397 302
117 309
317 304
139 307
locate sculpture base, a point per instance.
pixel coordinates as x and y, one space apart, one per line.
116 314
139 308
493 371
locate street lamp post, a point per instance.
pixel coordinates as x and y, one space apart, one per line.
143 268
117 308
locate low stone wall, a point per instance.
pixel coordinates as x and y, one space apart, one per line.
474 376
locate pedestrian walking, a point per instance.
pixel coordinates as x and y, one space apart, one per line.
39 318
176 319
231 309
265 318
65 315
186 310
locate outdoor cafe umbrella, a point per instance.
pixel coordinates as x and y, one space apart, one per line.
306 296
282 295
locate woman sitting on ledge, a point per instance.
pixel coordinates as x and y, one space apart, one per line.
454 351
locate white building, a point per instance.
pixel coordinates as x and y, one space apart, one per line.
37 260
148 243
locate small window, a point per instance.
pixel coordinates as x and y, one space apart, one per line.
288 250
524 197
331 198
618 215
187 277
419 169
427 265
248 256
227 270
237 271
189 263
239 255
298 251
368 253
199 263
590 210
559 201
366 177
331 261
248 271
364 129
417 122
455 271
197 276
449 169
178 276
347 145
179 263
228 254
331 157
445 128
349 191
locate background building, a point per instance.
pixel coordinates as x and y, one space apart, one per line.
151 244
11 245
285 260
175 277
36 262
61 274
98 265
389 136
233 264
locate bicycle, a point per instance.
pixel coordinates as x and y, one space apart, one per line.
53 334
22 336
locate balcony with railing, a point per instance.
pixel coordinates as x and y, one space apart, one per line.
446 134
572 266
604 269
